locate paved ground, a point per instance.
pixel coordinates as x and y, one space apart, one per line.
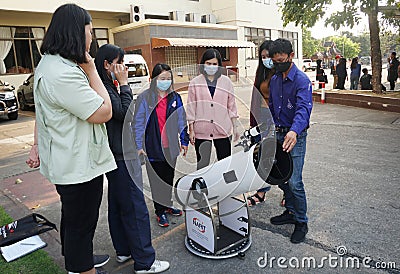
352 182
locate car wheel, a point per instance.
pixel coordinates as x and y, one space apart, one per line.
13 116
22 102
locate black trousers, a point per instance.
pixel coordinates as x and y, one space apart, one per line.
203 150
80 205
128 217
161 178
392 84
340 83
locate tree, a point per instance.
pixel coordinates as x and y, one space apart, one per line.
310 44
364 42
307 12
345 44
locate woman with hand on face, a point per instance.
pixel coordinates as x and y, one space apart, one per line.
72 106
211 110
128 217
160 129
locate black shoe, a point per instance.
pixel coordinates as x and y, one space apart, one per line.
285 218
100 260
299 233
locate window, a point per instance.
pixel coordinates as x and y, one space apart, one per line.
293 38
20 49
100 37
257 36
224 53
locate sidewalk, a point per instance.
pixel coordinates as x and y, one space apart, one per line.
351 177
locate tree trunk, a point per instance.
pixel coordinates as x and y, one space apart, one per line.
376 57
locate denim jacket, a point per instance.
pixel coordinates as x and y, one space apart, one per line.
146 128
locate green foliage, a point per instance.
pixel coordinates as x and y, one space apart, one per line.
310 44
304 12
37 262
364 42
389 42
348 48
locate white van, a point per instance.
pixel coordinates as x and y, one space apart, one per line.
138 73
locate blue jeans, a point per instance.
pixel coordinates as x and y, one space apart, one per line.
128 217
354 82
295 195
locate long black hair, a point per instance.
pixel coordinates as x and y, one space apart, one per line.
157 70
107 53
210 54
262 72
354 62
66 33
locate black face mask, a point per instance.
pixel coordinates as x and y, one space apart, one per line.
282 67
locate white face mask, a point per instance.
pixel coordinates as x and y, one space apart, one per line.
210 69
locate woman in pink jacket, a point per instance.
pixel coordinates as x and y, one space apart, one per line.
211 110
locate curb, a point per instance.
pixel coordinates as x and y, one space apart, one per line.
360 100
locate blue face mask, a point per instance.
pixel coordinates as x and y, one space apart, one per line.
164 84
268 63
210 70
113 76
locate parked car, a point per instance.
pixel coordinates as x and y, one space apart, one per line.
138 73
309 64
25 94
8 101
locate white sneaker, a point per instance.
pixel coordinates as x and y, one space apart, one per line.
122 259
157 267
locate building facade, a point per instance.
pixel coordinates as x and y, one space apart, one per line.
175 31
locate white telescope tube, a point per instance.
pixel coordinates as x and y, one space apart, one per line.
242 172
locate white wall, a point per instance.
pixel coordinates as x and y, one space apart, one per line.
149 6
241 13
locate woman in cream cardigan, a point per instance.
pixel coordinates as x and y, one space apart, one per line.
211 110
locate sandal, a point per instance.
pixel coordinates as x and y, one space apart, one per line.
255 202
283 201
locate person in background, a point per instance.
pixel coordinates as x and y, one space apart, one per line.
211 110
290 102
160 128
333 70
365 81
320 74
393 70
72 106
128 217
259 112
355 73
341 72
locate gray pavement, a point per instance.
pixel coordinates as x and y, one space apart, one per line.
351 177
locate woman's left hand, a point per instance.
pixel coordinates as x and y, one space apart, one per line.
33 160
236 134
185 149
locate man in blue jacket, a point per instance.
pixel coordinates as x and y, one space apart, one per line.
290 104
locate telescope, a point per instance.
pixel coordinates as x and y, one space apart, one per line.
213 198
